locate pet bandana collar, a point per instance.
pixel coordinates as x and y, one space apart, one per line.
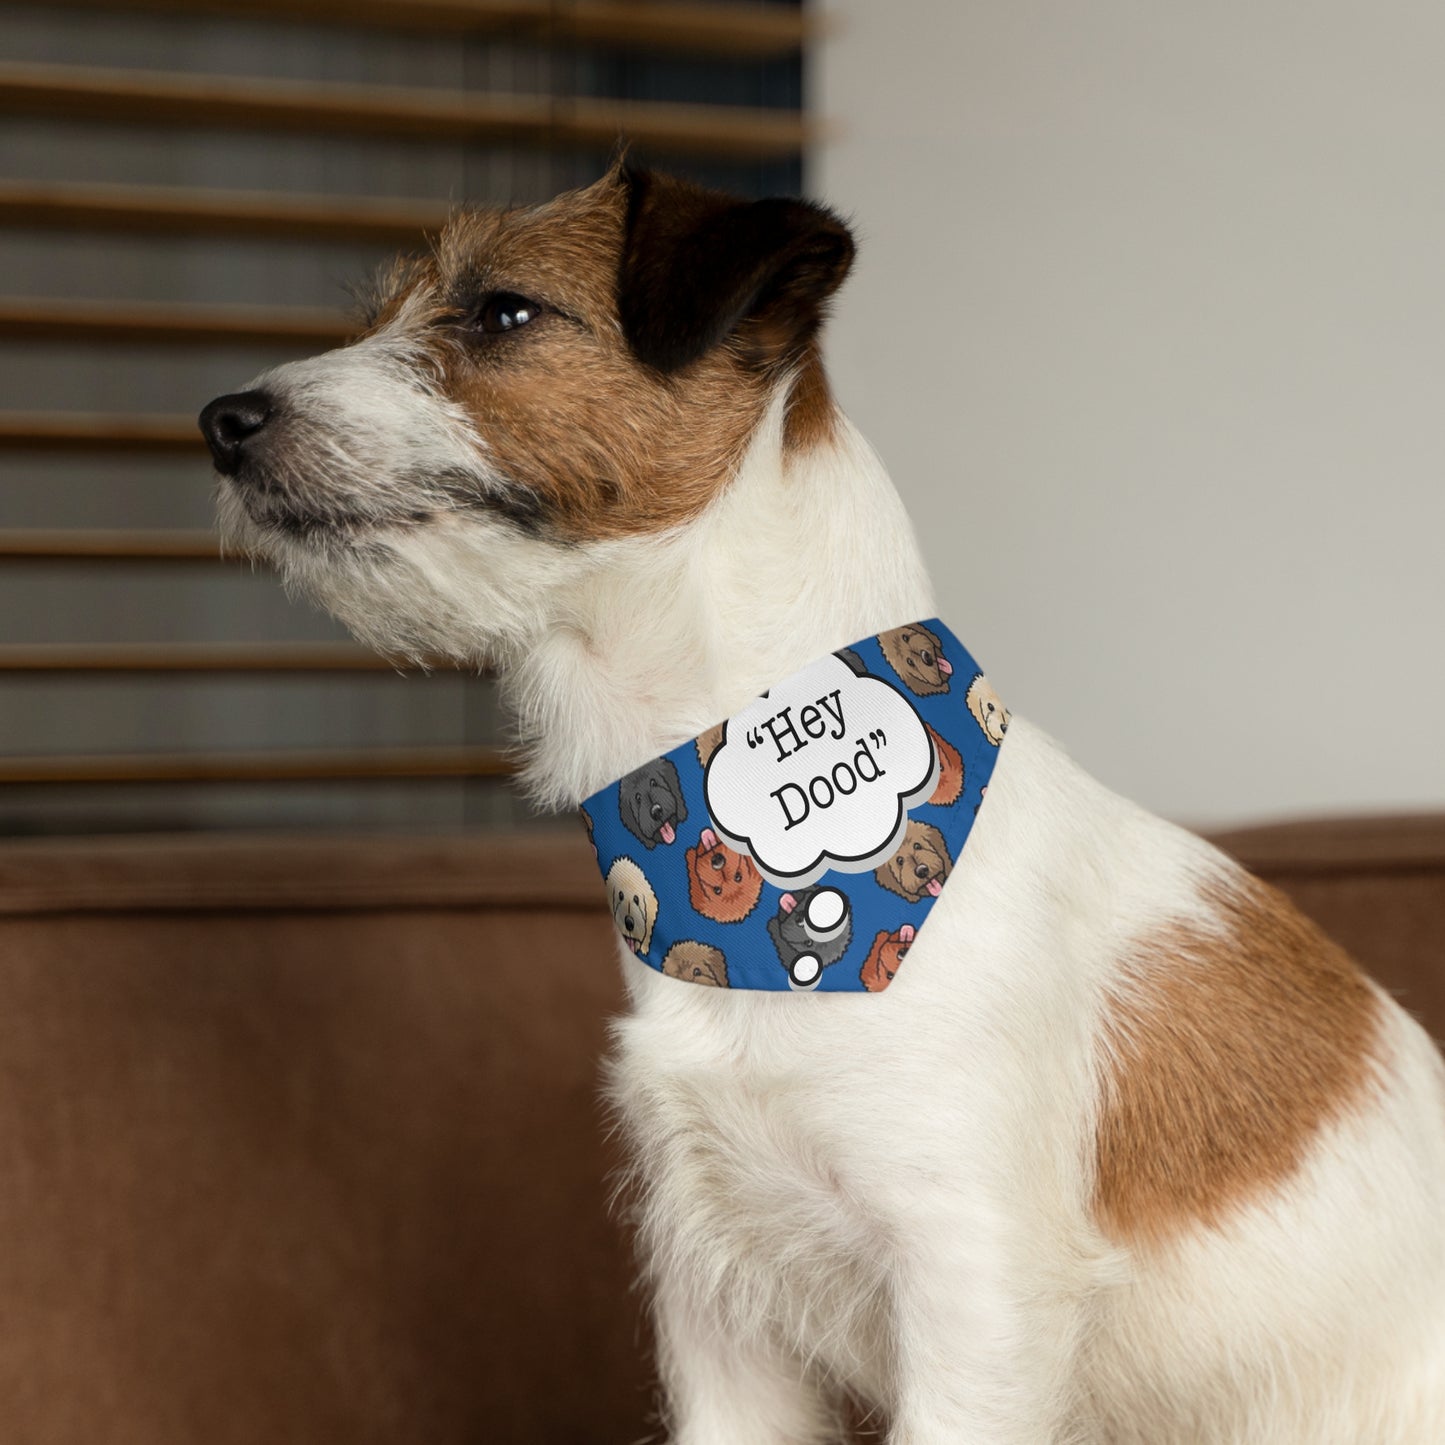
801 844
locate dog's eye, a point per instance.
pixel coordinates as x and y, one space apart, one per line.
505 311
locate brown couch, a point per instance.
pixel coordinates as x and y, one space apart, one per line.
300 1141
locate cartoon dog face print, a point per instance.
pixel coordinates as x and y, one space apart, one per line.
916 655
721 885
812 929
651 803
633 904
709 742
950 772
920 866
888 951
697 963
988 711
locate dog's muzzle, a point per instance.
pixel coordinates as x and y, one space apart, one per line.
231 424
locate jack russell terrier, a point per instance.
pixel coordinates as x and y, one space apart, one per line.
1126 1153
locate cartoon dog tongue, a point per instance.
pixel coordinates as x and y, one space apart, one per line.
668 832
935 886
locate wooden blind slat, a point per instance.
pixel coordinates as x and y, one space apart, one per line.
170 210
702 29
77 544
67 431
356 764
223 102
170 657
170 323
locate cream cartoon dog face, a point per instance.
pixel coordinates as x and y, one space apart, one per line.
633 904
987 709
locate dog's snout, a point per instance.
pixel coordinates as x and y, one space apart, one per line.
922 870
229 422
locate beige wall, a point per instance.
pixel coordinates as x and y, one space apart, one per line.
1149 324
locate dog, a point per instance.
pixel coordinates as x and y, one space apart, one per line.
921 865
916 655
888 951
950 772
696 962
1158 1164
721 885
651 803
633 905
988 711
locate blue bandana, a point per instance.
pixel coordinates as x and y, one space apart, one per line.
801 844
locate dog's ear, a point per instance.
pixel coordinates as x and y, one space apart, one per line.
698 267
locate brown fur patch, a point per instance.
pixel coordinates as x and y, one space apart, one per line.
1226 1053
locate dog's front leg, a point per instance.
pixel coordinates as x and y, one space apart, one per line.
724 1386
986 1339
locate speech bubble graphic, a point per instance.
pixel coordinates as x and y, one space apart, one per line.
820 773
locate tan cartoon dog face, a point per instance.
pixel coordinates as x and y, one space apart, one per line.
920 865
950 771
721 885
916 655
888 951
987 708
697 963
633 904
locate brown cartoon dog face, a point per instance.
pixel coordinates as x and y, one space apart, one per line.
633 904
988 711
722 885
916 655
708 742
950 771
919 866
697 963
884 957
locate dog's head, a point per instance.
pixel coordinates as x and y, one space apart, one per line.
920 865
697 963
721 884
888 951
916 655
987 709
950 772
633 904
651 803
546 381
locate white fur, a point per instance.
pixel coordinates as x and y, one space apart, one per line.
890 1195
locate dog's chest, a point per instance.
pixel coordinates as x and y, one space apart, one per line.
753 1172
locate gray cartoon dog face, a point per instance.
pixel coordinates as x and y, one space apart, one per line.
812 928
651 803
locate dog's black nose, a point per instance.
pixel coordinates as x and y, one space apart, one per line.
229 422
656 811
922 870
